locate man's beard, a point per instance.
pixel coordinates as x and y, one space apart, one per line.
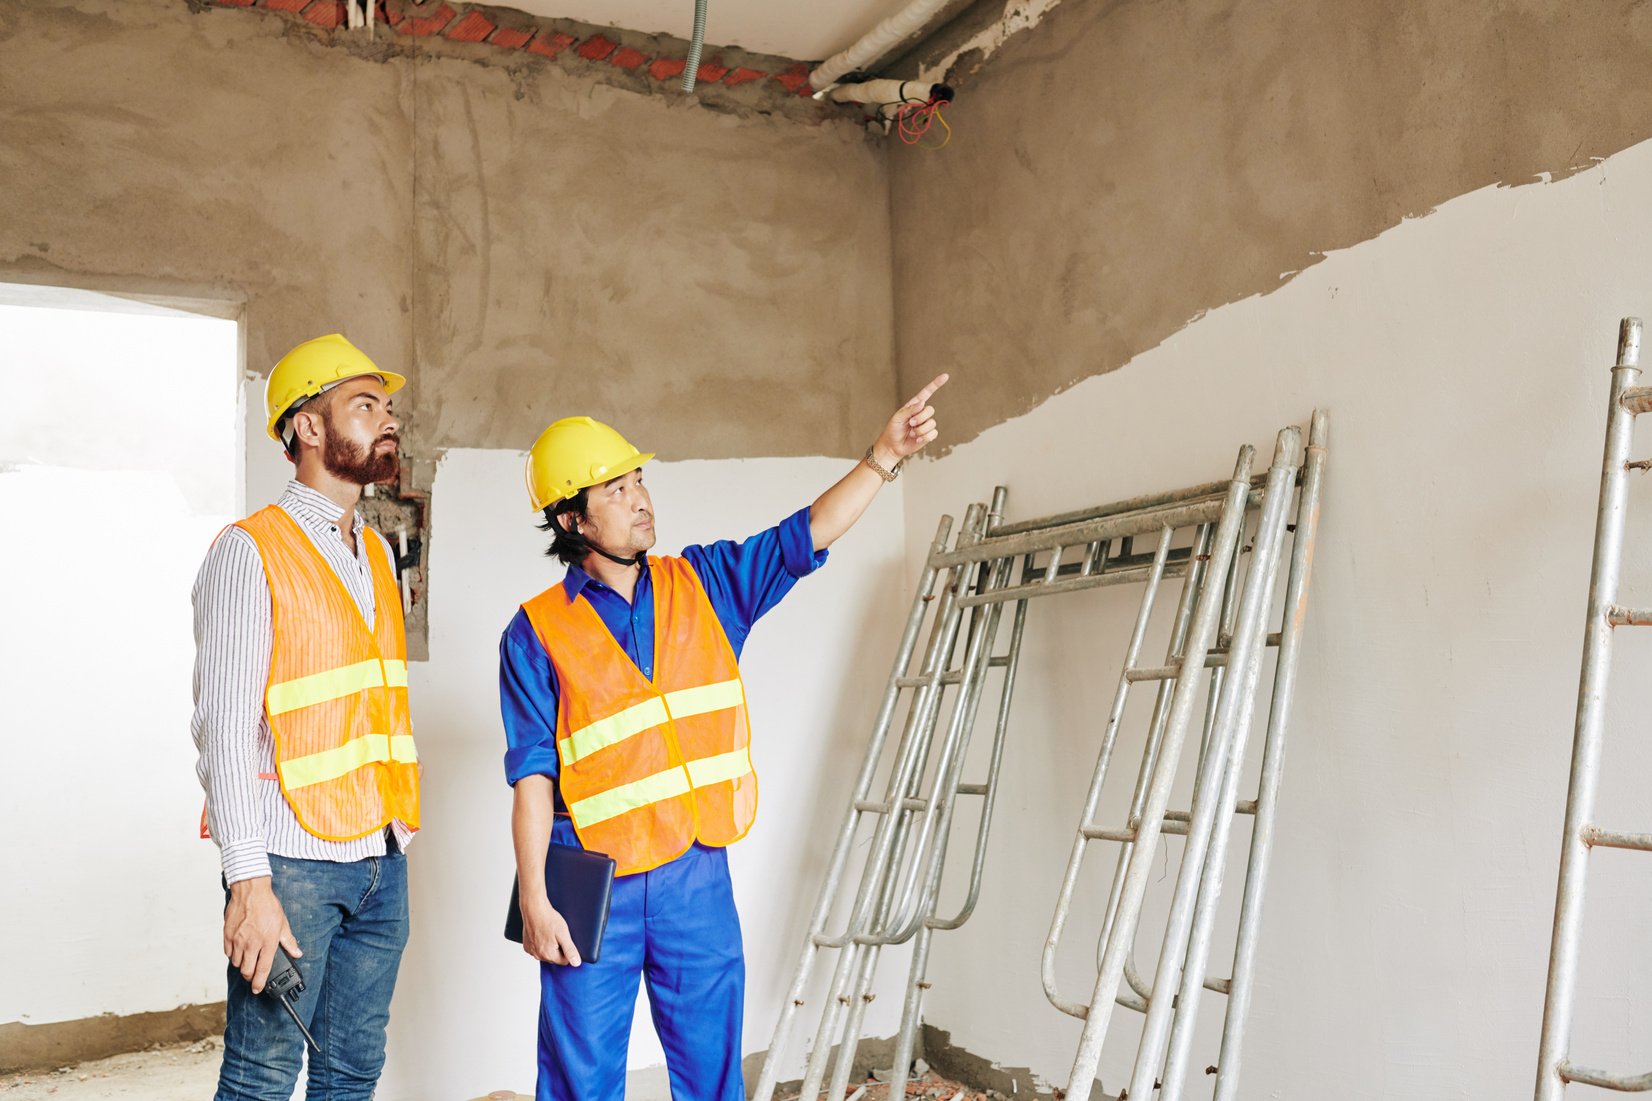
351 462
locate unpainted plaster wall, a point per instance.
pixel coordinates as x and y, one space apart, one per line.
1127 165
1464 358
529 243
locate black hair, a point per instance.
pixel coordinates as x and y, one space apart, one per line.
567 543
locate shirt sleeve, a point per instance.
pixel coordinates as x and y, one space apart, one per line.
744 580
232 668
527 702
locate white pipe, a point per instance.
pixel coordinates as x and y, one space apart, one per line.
877 42
883 91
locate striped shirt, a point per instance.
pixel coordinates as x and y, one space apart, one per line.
248 816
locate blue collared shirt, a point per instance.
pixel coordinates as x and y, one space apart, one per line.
743 580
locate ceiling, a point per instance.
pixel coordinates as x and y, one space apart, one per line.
806 30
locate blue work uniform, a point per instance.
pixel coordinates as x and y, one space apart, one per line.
675 926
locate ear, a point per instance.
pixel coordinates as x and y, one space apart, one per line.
307 427
568 521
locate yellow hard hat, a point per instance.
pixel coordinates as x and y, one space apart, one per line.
312 367
573 454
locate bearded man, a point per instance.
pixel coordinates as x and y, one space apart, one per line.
306 747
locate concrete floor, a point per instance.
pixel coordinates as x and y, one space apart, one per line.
163 1074
185 1071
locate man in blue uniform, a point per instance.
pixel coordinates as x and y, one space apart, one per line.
645 757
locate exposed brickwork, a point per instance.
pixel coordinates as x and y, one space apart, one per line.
473 26
549 45
596 48
464 23
509 38
667 68
430 23
627 58
326 14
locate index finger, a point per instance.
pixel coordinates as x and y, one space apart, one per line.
923 395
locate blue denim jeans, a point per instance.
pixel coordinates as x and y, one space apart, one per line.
350 920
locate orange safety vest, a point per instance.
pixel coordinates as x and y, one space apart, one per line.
337 695
649 767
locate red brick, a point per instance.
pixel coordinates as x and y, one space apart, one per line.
391 15
596 48
711 73
628 59
795 79
325 13
509 38
667 68
743 76
551 44
293 6
473 26
421 26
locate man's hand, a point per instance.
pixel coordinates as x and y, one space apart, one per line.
912 426
545 934
254 923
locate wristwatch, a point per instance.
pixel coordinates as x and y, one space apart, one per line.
877 467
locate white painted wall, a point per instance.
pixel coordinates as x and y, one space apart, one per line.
111 489
464 1018
1464 357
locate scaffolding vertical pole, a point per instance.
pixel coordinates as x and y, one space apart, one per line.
831 885
1152 821
1273 760
1554 1049
1237 690
1213 808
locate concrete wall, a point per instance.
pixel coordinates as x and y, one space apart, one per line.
1464 359
524 242
1124 167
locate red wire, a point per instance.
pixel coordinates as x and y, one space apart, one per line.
913 120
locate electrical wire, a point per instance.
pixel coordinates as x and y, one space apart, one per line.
914 121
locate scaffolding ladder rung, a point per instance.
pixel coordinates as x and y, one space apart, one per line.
875 806
1638 399
1175 822
951 676
1612 839
1623 1083
1619 616
1218 656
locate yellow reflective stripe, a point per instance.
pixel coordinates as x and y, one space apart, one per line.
650 713
333 684
615 728
330 764
639 793
714 770
707 697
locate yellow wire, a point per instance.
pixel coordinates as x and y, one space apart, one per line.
944 125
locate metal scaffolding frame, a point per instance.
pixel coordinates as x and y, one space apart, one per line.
963 593
1554 1066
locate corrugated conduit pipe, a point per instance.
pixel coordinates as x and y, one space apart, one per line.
692 72
876 42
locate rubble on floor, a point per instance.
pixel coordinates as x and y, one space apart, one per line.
159 1074
926 1085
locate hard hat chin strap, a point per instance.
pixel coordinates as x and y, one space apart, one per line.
639 560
